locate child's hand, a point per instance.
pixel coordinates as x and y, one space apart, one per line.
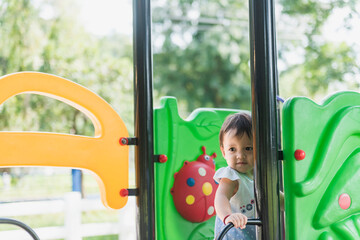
238 219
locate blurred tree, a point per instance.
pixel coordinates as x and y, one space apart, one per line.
33 40
45 36
322 61
201 53
201 56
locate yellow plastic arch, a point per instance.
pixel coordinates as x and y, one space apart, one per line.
101 154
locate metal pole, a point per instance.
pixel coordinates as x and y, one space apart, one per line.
264 112
143 119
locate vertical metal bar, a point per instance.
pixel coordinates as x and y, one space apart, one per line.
143 119
264 113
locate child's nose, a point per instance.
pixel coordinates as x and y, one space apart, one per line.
240 155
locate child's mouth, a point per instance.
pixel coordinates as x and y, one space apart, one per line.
241 163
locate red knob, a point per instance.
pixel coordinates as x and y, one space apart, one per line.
124 192
162 158
344 201
299 154
123 141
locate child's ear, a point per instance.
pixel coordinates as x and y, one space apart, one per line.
222 151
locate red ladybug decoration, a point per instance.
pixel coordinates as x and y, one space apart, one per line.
194 188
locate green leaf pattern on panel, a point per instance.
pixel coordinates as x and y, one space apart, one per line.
181 140
330 136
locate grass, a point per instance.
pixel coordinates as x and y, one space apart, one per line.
50 183
107 237
36 221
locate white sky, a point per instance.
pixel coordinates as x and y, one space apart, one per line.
105 16
335 31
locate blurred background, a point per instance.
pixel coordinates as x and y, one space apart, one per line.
201 56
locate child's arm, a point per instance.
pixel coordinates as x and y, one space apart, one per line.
225 191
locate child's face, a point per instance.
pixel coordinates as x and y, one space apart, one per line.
238 151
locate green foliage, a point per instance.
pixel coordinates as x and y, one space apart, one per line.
202 50
201 54
324 62
17 20
207 78
58 44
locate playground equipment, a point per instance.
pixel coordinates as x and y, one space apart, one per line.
21 225
316 160
321 167
101 154
199 190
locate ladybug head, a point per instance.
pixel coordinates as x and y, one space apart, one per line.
206 158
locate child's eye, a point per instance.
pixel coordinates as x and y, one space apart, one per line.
249 148
232 149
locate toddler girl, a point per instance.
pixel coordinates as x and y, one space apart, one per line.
234 199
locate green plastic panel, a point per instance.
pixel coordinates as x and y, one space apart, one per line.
181 140
322 193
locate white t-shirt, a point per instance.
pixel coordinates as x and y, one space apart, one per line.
243 201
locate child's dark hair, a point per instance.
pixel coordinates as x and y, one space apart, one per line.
241 122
